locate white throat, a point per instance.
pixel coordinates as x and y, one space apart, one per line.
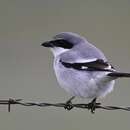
57 51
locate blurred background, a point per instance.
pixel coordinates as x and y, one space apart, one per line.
26 68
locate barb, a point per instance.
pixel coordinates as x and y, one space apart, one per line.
10 102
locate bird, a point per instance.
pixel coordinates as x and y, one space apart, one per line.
81 68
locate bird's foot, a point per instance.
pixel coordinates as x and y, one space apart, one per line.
92 105
68 105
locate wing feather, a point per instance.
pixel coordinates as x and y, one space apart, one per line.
97 65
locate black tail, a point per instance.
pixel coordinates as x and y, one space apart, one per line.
119 74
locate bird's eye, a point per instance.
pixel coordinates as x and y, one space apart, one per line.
62 43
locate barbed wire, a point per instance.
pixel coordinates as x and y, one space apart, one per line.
68 106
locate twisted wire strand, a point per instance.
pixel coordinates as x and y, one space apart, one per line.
70 106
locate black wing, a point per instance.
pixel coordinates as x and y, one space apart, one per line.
96 65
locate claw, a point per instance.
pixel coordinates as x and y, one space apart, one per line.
68 105
92 105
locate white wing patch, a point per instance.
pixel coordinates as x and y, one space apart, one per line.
84 67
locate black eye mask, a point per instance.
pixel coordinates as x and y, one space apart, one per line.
58 43
62 43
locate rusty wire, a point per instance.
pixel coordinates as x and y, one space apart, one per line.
10 102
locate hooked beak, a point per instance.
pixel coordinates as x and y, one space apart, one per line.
47 44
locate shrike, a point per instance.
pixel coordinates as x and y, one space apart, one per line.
81 68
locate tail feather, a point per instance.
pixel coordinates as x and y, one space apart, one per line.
119 74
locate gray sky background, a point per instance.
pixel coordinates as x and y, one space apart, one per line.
26 68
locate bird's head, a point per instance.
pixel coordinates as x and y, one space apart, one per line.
63 42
